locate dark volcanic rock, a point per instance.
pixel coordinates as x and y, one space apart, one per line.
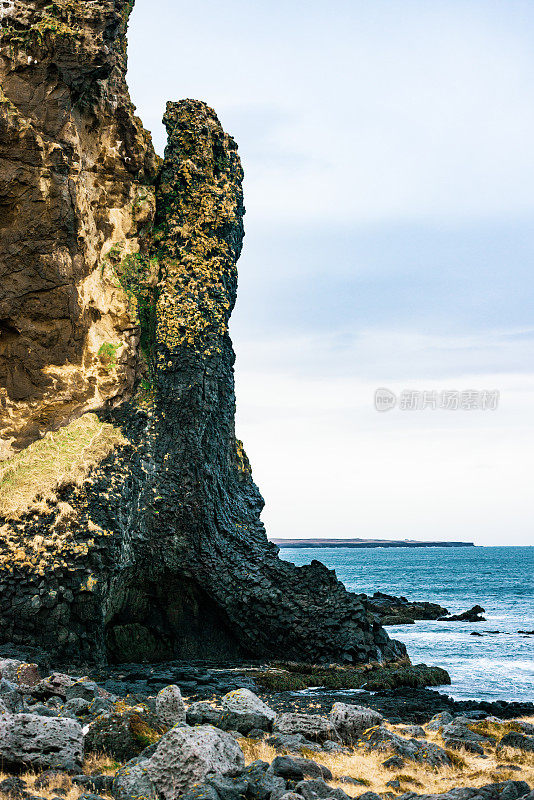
472 615
161 550
381 738
399 611
403 705
507 790
123 734
519 741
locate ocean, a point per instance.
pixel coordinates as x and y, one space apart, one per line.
499 665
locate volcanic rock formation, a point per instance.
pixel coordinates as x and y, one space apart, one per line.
134 532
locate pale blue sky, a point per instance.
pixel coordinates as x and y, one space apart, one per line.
389 189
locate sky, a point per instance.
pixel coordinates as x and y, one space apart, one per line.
389 187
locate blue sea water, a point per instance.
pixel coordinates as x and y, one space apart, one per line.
496 666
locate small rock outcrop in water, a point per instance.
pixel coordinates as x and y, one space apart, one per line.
393 610
134 534
472 615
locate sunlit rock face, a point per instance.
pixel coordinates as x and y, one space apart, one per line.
76 175
144 541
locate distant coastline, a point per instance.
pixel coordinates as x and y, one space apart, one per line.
365 543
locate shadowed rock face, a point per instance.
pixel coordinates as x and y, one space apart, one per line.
161 553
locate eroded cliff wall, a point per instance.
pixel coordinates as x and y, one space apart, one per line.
135 533
76 175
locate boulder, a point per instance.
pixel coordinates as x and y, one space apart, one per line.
518 740
27 740
187 756
311 726
84 689
77 705
242 711
202 792
55 685
296 769
294 742
457 735
351 721
10 696
43 710
9 668
506 790
131 782
382 738
14 787
19 672
124 734
203 713
170 708
257 785
227 787
318 788
526 727
393 762
52 779
439 720
413 731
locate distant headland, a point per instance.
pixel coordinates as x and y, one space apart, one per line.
365 543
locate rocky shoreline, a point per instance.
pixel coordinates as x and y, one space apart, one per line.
200 732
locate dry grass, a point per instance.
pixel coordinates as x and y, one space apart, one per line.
365 765
60 781
61 458
100 764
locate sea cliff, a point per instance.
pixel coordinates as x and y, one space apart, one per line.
130 522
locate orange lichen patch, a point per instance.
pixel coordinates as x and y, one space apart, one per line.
61 458
243 464
200 208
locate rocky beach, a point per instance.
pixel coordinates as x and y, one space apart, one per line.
153 643
218 733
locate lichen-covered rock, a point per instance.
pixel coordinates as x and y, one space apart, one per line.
351 721
27 740
84 689
505 790
54 685
457 735
243 711
439 720
124 733
170 708
296 769
201 712
311 726
318 788
131 782
187 756
19 672
520 741
382 739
